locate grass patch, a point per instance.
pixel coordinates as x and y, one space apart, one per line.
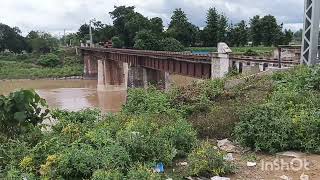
62 63
22 70
262 51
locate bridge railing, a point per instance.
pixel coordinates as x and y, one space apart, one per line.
158 54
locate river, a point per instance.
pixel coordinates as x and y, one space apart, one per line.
72 95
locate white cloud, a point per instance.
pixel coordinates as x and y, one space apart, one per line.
56 15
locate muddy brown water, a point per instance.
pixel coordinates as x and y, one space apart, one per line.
72 95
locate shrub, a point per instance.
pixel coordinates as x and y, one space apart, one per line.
171 44
117 42
178 131
140 138
196 97
49 60
207 160
142 173
289 120
150 101
107 175
20 111
146 40
77 161
251 52
264 128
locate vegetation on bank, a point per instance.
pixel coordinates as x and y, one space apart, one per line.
62 63
259 50
270 114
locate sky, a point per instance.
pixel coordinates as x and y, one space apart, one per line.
55 16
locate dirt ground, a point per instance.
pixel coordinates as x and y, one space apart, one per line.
271 167
268 167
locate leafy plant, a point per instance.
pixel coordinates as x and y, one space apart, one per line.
107 175
20 110
49 60
251 52
207 160
143 173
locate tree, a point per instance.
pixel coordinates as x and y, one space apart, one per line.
156 25
42 42
10 39
127 23
256 30
171 44
222 28
298 36
181 29
216 29
117 42
266 31
146 40
271 31
83 32
238 35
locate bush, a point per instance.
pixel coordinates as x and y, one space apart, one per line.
251 52
117 42
207 160
142 173
171 44
146 40
49 60
140 138
107 175
254 130
196 97
150 101
289 120
20 112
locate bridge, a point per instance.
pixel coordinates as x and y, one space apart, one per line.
117 69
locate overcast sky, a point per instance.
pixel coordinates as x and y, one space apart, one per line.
56 15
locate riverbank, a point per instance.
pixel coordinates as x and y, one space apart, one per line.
58 64
22 70
262 116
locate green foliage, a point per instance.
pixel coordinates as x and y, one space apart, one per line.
171 44
251 52
23 70
19 111
215 29
41 42
49 60
117 42
143 173
207 160
150 101
182 30
107 175
146 40
266 31
238 35
12 40
197 97
289 120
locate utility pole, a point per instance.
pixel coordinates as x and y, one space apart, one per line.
90 32
310 51
64 36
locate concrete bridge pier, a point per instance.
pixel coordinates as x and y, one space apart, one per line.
141 77
137 77
90 67
112 76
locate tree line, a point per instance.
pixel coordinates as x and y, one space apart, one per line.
39 42
131 29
